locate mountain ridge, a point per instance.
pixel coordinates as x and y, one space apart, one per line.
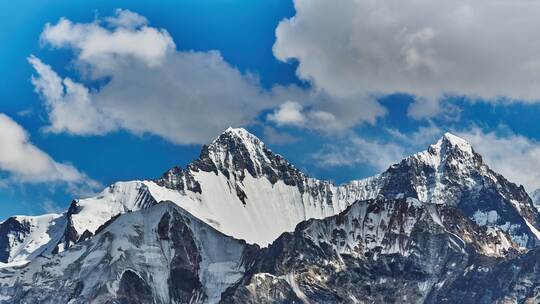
242 224
237 174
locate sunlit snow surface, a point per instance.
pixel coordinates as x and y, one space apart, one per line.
269 210
44 232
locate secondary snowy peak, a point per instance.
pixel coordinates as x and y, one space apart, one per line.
87 215
450 172
23 238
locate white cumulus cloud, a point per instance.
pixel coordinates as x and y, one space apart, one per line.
103 45
149 87
68 103
430 49
24 162
322 113
288 113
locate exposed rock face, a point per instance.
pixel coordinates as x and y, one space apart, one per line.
511 281
11 231
376 251
132 289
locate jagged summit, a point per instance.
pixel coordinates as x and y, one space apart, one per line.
238 135
240 132
450 172
456 140
448 150
237 149
244 189
449 140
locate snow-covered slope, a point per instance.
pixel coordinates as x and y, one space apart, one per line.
22 238
161 254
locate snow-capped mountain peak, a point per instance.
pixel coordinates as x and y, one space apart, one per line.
237 149
449 147
450 172
239 135
456 141
450 143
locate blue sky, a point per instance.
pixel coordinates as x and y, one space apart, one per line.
327 105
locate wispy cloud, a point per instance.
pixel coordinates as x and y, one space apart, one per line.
50 207
273 136
25 163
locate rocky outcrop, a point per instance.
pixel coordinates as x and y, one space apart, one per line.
377 251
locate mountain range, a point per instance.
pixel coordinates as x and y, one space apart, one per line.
243 225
